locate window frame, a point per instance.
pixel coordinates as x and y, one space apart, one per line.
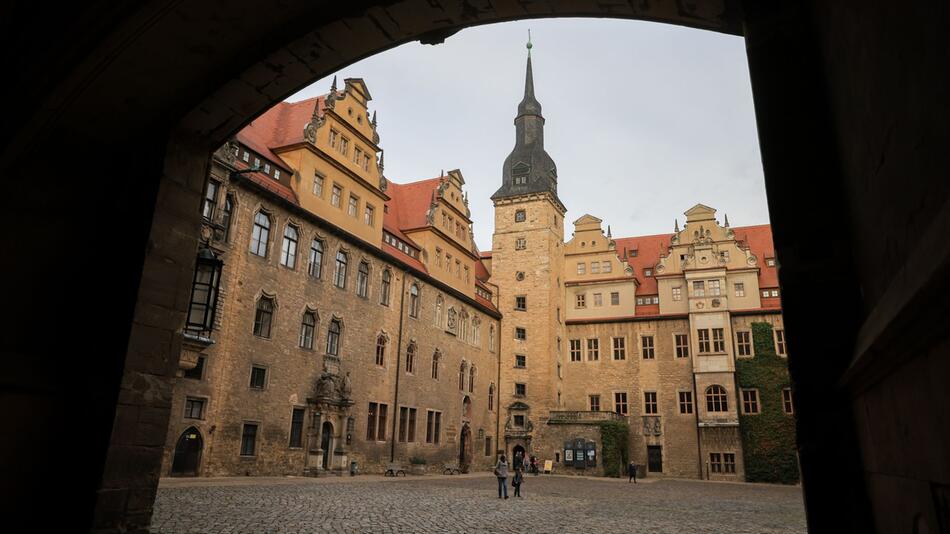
648 349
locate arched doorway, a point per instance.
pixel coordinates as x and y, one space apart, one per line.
465 448
517 454
188 453
326 442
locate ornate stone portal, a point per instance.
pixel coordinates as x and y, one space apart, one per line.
331 426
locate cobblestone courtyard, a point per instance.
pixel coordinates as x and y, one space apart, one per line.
470 504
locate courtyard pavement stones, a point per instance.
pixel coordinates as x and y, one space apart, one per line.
469 504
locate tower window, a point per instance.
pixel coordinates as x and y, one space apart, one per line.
519 216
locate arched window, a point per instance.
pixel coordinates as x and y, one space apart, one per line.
414 301
260 234
476 331
226 217
439 303
491 397
362 280
463 326
340 277
316 258
288 251
384 287
307 327
462 377
471 379
435 365
411 358
263 317
716 399
333 338
381 350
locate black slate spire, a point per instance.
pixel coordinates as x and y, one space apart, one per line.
528 169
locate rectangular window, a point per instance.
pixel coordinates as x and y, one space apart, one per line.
519 216
520 361
615 299
267 168
194 408
521 334
369 215
649 403
211 200
595 403
335 195
521 303
593 350
703 340
620 403
774 292
682 345
648 272
381 429
606 267
246 157
432 432
318 180
715 462
729 462
276 174
714 288
620 348
365 162
719 342
344 145
648 350
575 350
744 343
357 155
581 300
353 206
407 425
740 289
750 401
488 449
699 288
595 267
520 243
258 377
197 372
581 268
296 428
248 439
519 421
724 255
334 137
780 342
677 293
787 400
686 402
598 299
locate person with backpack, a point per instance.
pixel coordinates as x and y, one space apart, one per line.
517 480
501 472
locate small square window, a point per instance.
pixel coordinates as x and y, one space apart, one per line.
521 334
519 216
520 390
521 303
520 244
648 272
194 408
598 299
615 299
520 361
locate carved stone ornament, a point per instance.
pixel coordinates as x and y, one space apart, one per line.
383 182
452 323
230 151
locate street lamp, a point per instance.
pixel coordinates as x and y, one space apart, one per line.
204 292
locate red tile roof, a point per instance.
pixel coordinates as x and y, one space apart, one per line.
280 126
408 203
269 183
649 249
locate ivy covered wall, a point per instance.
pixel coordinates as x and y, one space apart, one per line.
614 438
768 438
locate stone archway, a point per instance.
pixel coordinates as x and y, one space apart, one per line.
187 460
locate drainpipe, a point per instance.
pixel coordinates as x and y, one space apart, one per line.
395 412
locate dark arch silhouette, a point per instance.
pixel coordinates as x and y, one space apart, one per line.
187 460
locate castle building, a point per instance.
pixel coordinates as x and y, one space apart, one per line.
356 320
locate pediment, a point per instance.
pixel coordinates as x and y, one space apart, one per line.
588 219
700 212
518 405
520 168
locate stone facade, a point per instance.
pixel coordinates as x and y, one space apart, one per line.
442 352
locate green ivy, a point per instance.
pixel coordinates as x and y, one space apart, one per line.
768 438
615 439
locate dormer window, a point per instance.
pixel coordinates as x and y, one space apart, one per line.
267 168
521 180
648 272
276 174
770 262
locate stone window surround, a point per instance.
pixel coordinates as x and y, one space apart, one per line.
751 344
257 434
250 374
757 398
680 403
688 350
205 400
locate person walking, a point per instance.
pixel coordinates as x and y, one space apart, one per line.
632 471
501 472
517 480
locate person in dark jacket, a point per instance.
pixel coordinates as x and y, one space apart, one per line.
517 480
501 472
632 471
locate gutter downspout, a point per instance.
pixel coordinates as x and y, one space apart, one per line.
395 412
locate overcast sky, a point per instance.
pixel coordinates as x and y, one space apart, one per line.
643 120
